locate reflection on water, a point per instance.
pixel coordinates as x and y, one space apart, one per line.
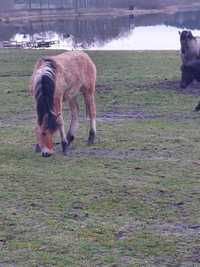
76 33
159 37
138 33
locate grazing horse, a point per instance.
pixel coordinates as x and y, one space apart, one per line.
57 79
190 46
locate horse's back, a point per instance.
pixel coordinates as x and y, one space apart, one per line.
75 59
77 67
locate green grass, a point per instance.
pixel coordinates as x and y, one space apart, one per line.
132 199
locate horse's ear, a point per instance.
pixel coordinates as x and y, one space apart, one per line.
179 33
189 35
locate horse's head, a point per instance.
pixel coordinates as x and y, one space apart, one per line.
45 141
45 105
185 37
187 76
45 131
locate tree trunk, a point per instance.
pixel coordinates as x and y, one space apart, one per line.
76 5
29 4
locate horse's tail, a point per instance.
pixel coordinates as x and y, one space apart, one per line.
44 94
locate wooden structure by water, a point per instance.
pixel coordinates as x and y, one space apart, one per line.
34 44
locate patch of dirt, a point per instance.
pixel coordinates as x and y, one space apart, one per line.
139 115
14 75
183 231
161 228
174 85
145 153
193 89
176 229
103 87
7 263
17 119
195 258
76 211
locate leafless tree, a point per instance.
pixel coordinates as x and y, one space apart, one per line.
76 5
29 4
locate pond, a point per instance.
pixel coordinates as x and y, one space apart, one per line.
145 32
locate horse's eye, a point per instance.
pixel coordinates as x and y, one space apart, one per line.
44 134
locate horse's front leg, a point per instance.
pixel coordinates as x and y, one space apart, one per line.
74 111
64 143
37 147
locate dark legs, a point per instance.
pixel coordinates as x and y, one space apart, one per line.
197 108
66 140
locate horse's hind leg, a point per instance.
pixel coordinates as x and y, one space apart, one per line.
74 110
91 111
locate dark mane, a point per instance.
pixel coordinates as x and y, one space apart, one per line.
45 88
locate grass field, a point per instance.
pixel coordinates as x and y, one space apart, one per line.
132 199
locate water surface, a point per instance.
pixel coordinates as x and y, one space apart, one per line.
147 32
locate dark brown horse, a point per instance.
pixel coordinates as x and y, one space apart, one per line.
57 79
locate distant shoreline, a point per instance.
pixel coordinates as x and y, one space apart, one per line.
46 14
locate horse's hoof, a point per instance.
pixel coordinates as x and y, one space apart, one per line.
91 137
46 154
197 108
90 142
65 153
70 138
37 148
64 146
